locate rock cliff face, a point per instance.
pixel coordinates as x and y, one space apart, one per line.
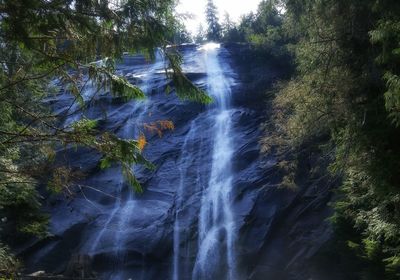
276 232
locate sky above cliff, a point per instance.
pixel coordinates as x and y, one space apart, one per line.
235 8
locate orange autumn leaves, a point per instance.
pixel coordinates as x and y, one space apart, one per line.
157 127
141 141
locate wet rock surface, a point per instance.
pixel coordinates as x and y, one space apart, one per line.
279 231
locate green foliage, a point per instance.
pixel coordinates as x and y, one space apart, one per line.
346 89
185 89
201 35
9 265
181 35
105 78
264 31
387 35
214 28
50 47
392 96
125 153
20 208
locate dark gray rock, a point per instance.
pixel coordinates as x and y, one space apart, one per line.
131 235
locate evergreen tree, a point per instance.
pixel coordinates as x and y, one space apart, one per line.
230 32
201 35
181 35
227 24
214 28
344 100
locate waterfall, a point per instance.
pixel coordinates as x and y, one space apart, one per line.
216 237
183 165
118 220
215 257
203 194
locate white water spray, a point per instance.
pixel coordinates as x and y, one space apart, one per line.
119 219
216 234
182 166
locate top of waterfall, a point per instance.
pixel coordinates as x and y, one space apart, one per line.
210 46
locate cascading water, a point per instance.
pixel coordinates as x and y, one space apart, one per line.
117 216
216 222
182 166
118 221
215 257
199 218
187 205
